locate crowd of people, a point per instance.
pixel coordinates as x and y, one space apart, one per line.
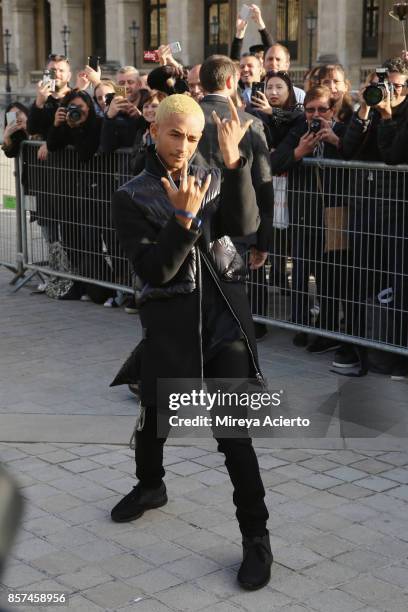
345 232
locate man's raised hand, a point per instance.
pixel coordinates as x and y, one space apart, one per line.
188 197
230 134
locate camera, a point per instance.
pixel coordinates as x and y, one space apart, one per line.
315 125
377 92
74 113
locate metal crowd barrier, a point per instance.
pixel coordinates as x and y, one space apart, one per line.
340 267
10 229
338 260
66 216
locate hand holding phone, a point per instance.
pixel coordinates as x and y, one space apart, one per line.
245 12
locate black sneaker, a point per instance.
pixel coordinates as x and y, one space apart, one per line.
255 570
131 307
323 345
300 339
261 331
134 504
346 357
400 369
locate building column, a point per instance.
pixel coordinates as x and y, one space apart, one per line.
339 35
185 24
119 17
22 27
71 14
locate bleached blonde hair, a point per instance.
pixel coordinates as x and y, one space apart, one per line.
178 104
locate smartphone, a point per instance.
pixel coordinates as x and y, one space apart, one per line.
315 126
151 57
256 88
175 47
109 97
245 12
11 117
93 62
120 90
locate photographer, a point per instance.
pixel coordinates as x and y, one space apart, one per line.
100 93
277 107
80 213
50 92
144 137
121 122
278 110
16 131
311 213
376 213
128 76
250 72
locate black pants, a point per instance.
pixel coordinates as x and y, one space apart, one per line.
232 361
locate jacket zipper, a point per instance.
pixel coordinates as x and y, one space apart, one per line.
258 374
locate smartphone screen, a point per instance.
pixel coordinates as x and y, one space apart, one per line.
245 12
93 62
256 88
175 47
11 117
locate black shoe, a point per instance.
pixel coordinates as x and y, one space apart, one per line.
133 505
300 339
400 369
261 331
323 345
255 570
346 357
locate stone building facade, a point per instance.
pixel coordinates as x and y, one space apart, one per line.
359 33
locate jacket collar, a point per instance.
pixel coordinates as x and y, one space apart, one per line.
155 166
211 98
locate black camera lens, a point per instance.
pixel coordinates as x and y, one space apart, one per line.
74 113
108 98
373 94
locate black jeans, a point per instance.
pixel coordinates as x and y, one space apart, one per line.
232 361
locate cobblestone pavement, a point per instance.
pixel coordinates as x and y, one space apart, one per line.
338 507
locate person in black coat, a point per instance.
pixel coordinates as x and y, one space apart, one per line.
80 215
313 196
15 132
173 221
218 78
378 210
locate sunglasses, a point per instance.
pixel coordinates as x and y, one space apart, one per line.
319 109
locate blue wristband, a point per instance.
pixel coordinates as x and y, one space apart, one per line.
188 215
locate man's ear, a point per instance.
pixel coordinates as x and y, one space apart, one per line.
229 83
154 130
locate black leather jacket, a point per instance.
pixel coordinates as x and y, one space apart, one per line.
172 263
152 202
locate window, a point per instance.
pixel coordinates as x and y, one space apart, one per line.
98 29
155 30
217 31
371 15
287 31
1 35
43 32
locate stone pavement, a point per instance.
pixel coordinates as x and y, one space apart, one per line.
338 505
